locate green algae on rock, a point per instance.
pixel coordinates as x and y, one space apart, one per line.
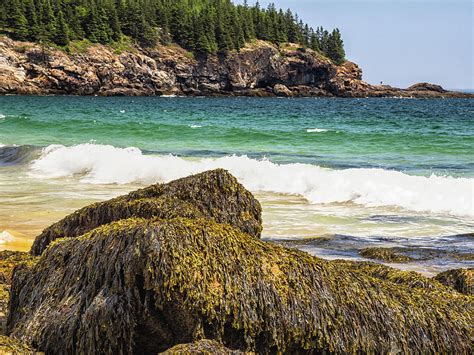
214 194
408 254
384 254
142 285
202 347
396 276
462 280
8 261
9 346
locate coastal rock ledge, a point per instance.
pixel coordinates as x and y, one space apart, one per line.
259 69
182 264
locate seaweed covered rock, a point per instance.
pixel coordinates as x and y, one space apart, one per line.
8 261
214 194
202 347
9 346
384 254
401 277
145 285
408 254
462 280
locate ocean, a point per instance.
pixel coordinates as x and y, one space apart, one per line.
354 172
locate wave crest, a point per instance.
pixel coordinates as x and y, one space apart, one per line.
104 164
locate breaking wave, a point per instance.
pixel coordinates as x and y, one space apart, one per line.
104 164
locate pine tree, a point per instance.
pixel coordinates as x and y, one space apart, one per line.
205 26
18 21
31 17
62 31
335 47
48 22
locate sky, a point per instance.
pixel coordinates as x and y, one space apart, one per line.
399 42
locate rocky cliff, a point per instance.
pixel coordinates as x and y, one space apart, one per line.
260 69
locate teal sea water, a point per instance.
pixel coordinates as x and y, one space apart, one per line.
371 172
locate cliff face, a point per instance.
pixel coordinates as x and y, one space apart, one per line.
260 69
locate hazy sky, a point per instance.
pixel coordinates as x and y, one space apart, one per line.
399 42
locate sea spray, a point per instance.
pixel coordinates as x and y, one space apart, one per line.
105 164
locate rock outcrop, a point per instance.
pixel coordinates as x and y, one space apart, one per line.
202 347
408 254
8 261
461 280
9 346
259 69
145 285
215 194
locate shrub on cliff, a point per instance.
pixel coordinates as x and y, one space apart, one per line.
214 194
140 285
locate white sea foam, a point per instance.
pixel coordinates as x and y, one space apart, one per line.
194 126
6 237
316 130
103 164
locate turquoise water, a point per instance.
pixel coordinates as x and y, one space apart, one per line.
382 171
419 136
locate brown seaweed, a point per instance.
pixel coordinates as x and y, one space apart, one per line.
462 280
202 347
214 194
144 286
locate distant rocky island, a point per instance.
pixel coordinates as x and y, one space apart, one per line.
258 69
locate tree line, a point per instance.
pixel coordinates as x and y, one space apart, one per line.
203 26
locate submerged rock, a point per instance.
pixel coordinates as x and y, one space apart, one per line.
401 277
462 280
214 194
143 286
202 347
408 254
385 254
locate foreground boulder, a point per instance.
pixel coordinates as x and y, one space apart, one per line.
462 280
202 347
214 194
8 261
9 346
145 285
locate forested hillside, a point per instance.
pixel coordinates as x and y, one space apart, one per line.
202 26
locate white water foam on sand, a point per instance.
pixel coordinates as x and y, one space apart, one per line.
105 164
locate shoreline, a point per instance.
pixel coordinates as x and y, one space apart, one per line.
260 69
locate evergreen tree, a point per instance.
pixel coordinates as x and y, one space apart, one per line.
61 37
48 22
31 17
18 21
335 47
205 26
